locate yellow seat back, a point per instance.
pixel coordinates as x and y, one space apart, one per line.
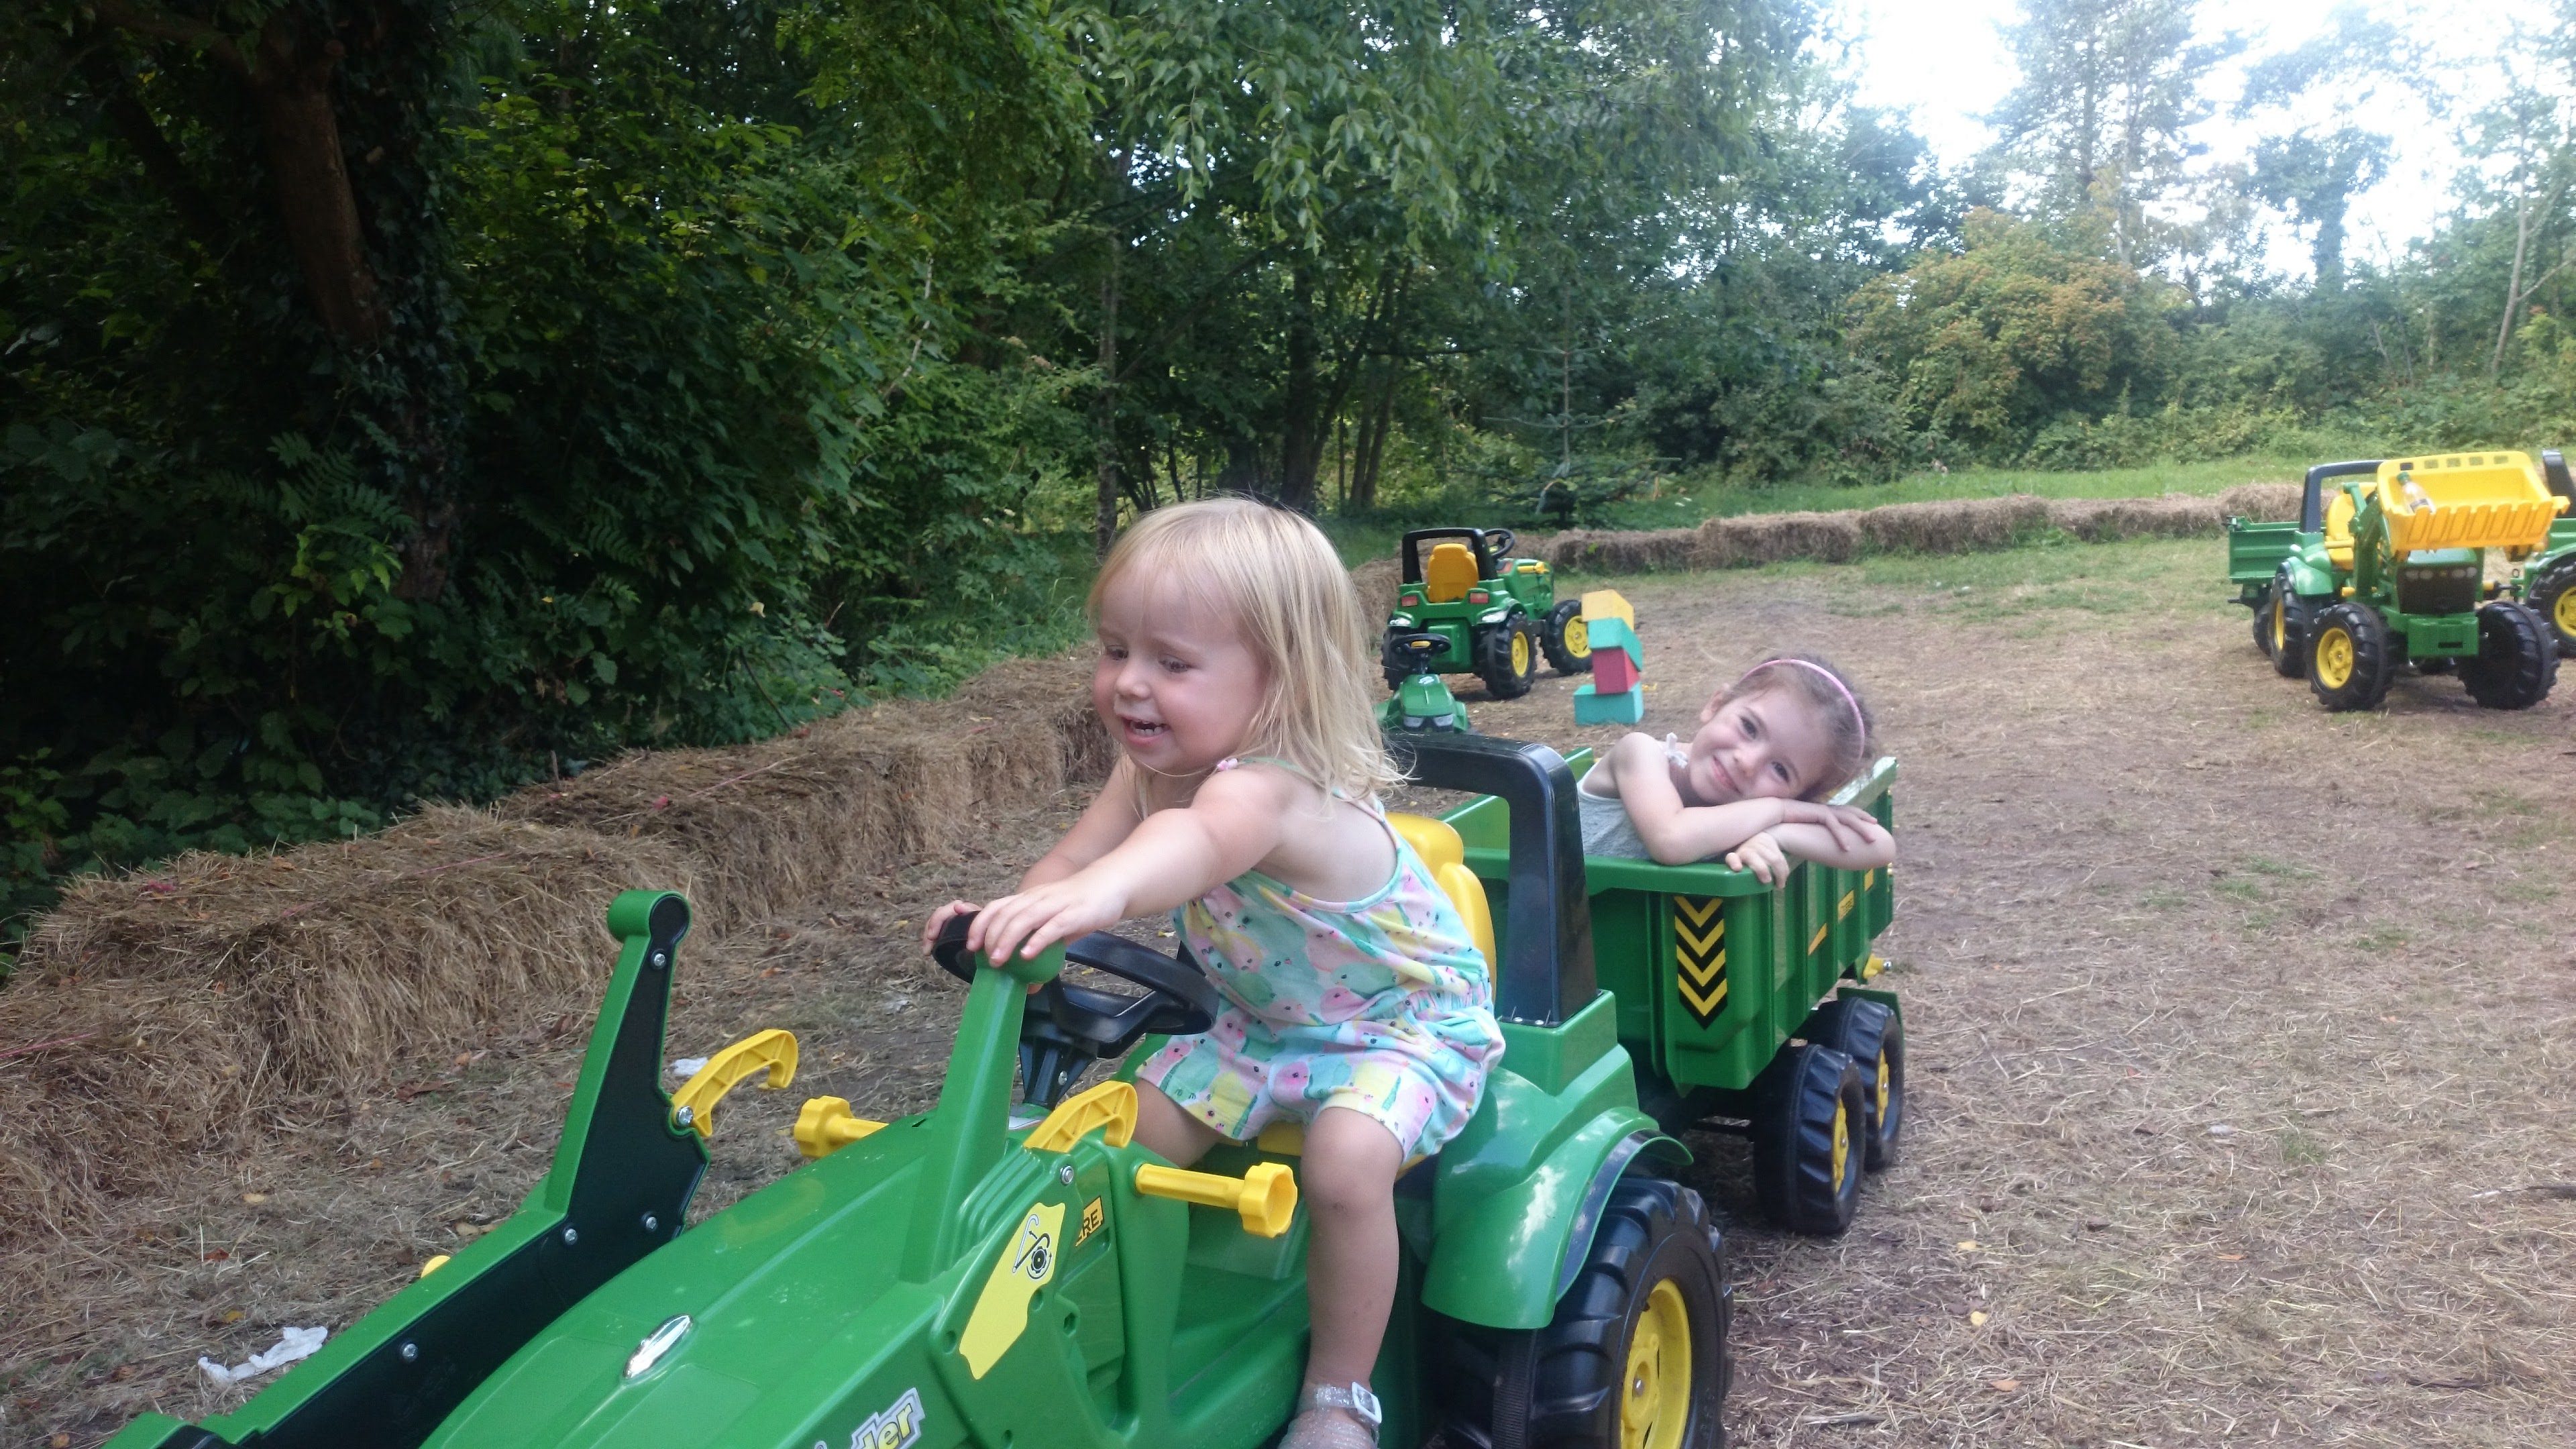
1437 842
2339 511
1449 573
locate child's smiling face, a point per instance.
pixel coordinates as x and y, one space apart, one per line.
1766 744
1176 683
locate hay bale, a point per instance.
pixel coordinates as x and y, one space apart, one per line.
1622 551
2261 502
185 1008
1378 581
1954 525
2098 520
1760 538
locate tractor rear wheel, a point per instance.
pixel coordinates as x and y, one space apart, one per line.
1569 639
1637 1352
1871 1035
2263 620
2552 596
2290 614
2348 657
1507 658
1808 1116
2516 662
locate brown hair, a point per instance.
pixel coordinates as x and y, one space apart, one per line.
1851 731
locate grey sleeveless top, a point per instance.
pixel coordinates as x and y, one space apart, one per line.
1607 830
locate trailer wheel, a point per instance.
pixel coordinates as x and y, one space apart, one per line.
1807 1147
1871 1035
2291 615
2263 620
1637 1352
2348 663
1568 639
2552 596
2516 662
1507 658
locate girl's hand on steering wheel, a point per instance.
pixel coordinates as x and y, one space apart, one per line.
1031 920
939 918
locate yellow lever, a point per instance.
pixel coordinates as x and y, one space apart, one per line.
826 1126
1109 1107
1265 1197
772 1051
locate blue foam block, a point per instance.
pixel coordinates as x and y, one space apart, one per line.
1625 707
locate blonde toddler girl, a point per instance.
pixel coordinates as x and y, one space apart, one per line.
1235 674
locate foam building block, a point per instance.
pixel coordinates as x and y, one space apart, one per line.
1594 706
1602 604
1618 660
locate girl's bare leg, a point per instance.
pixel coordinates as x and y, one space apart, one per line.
1347 1180
1180 1138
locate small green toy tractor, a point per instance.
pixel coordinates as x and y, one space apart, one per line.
1422 701
2547 581
2390 568
1030 1277
1493 614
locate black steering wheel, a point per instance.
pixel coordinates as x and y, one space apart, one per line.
1066 1028
1498 544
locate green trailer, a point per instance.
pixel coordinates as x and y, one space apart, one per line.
2390 567
1027 1276
1749 1005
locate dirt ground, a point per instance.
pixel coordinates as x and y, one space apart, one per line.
2238 1031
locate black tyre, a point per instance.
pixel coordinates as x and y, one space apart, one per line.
1637 1352
2552 595
1507 658
2263 620
2348 657
2517 659
1807 1152
1871 1035
1568 639
2291 614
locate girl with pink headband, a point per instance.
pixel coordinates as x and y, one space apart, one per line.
1749 785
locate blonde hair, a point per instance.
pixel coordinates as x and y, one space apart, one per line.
1277 576
1851 729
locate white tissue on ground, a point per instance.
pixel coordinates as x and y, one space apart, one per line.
293 1344
687 1067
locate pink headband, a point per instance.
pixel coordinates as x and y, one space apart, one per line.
1839 687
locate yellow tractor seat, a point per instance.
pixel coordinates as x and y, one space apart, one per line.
2339 511
1449 573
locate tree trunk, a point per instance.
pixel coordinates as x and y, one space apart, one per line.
1301 444
290 86
1104 409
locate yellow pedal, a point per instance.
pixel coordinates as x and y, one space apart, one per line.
433 1265
1265 1197
1109 1107
826 1125
772 1051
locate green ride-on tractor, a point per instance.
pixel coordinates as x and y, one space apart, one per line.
2390 568
2546 583
1027 1276
1423 701
1493 614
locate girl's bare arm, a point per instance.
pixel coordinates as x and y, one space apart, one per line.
1675 833
1109 819
1876 846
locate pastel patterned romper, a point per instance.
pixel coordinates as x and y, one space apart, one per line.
1382 1005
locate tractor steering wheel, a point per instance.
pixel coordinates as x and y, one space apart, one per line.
1066 1028
1499 542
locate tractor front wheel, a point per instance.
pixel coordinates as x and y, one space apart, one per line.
1808 1116
2348 657
2552 596
1869 1033
1507 658
2516 662
1636 1357
2263 620
1569 639
2289 614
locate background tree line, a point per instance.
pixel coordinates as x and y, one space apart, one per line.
416 397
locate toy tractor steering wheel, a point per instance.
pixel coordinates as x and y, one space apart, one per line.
1066 1028
1499 543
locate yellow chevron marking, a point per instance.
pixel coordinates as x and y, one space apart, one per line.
1819 939
1704 1008
1869 881
1844 909
1698 943
1697 909
1700 973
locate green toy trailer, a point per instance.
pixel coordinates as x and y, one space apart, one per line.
1728 1004
1033 1278
1494 614
2390 568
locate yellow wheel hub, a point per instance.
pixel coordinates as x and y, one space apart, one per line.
2280 623
1578 635
1654 1400
2562 613
1842 1144
1883 1075
1520 652
2334 658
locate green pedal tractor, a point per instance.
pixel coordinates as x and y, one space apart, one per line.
1493 615
1027 1276
2390 568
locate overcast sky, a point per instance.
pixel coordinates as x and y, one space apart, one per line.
1946 62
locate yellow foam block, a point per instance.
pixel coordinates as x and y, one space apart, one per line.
1608 604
